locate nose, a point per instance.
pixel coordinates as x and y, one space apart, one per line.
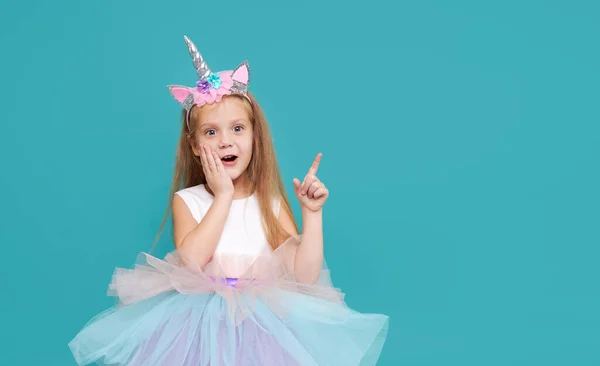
225 141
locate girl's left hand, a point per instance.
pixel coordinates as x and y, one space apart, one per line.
311 193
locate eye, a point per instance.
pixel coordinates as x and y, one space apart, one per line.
210 132
238 128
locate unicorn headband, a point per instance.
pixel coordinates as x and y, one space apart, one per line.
211 87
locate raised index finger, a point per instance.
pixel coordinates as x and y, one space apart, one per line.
315 165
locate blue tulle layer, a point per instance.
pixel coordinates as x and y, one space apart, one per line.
177 329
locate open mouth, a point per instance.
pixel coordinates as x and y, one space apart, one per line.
229 159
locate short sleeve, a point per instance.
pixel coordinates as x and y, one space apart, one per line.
191 201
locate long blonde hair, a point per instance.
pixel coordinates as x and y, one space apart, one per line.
263 171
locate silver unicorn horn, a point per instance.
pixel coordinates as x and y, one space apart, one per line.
201 66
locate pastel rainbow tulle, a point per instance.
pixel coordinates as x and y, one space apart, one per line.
175 314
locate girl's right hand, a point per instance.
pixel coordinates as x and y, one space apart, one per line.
217 177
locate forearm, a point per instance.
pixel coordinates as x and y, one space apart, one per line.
309 256
200 243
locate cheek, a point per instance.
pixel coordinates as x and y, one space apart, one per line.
204 140
200 140
247 144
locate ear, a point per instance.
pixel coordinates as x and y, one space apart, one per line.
180 93
242 73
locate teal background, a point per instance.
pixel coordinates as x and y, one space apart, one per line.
460 141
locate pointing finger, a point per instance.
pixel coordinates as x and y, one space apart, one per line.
315 165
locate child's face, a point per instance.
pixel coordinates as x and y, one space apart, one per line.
226 128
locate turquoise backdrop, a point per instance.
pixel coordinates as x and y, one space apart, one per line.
461 146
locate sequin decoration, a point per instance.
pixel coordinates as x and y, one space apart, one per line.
239 87
188 102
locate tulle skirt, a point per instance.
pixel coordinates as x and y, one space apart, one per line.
175 314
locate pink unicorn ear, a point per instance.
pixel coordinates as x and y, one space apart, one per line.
180 93
242 73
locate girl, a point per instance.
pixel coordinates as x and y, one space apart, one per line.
242 286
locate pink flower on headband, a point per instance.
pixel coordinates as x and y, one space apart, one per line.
224 82
207 94
213 81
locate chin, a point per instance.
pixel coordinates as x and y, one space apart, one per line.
234 173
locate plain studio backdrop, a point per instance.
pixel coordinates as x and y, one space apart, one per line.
460 144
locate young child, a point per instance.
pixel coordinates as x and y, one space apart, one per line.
242 286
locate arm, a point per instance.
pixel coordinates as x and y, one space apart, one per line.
199 240
309 257
308 261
